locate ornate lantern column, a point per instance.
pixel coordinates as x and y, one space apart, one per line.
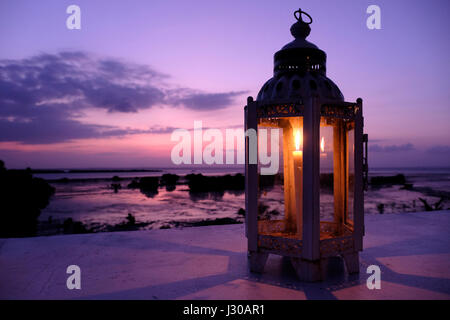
313 208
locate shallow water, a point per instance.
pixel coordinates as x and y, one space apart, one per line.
92 202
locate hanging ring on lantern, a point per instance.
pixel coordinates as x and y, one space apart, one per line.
298 16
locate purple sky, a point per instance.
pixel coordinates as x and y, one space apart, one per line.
146 67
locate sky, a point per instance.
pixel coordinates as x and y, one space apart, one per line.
111 93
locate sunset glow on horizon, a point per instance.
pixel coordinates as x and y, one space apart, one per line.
111 94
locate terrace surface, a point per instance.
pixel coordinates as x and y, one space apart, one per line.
412 250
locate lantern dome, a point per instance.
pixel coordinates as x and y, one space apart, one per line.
299 69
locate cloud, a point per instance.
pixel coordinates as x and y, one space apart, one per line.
439 149
43 97
161 130
391 148
204 101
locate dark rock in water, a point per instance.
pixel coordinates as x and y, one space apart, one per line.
241 212
22 197
389 180
116 178
63 180
201 183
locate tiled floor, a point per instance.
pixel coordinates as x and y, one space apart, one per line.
411 249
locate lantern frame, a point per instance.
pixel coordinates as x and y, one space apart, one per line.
310 253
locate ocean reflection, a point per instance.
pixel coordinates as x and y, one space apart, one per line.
149 193
213 195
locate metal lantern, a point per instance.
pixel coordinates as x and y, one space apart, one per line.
323 153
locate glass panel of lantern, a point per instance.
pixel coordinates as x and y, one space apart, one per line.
280 194
336 176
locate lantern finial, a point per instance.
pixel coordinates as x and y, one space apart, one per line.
301 28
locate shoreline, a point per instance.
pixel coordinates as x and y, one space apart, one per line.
111 200
58 228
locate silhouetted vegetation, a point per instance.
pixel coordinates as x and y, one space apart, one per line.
131 220
170 181
407 186
134 184
69 226
74 227
265 214
428 207
218 221
327 181
201 183
389 180
147 185
266 182
92 170
22 197
116 187
129 224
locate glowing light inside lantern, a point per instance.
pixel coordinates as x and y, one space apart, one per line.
295 223
297 139
322 144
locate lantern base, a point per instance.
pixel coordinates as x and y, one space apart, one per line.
333 242
306 270
312 271
309 271
351 262
257 261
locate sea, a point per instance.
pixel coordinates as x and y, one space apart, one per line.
87 196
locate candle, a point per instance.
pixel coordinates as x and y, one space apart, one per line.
298 181
323 154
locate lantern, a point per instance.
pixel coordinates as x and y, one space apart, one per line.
313 208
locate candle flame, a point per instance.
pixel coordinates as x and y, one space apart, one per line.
297 139
322 144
